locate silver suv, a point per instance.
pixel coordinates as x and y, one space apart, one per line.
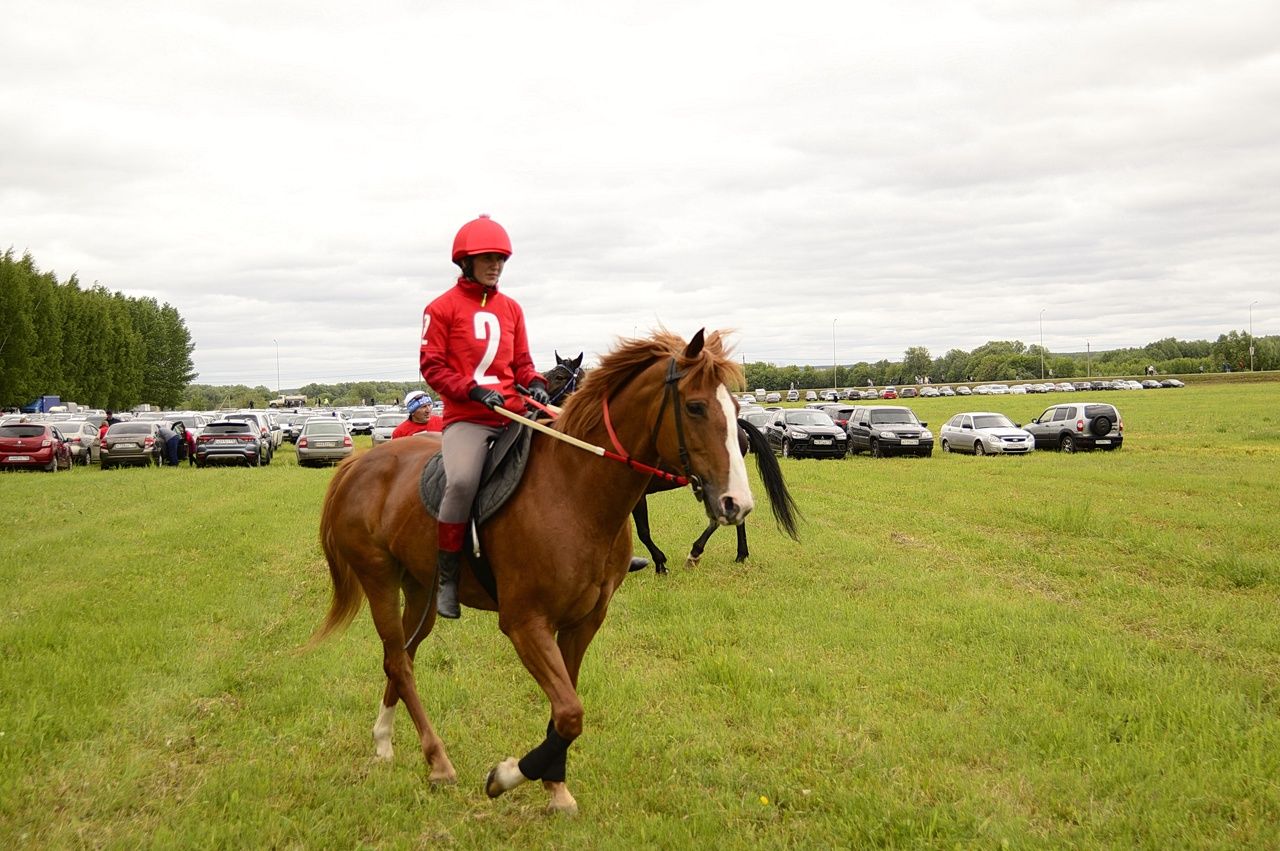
1078 425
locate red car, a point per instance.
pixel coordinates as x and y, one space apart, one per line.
889 393
33 446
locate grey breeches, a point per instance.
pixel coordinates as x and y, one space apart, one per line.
464 448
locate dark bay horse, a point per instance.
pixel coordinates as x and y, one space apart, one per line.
559 548
564 378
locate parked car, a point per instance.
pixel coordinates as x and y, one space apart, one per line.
323 440
946 391
385 424
1171 382
773 398
236 441
889 393
985 433
797 433
132 443
839 414
267 446
33 446
811 395
1078 425
888 430
362 420
908 393
964 390
82 439
194 423
757 416
290 425
870 394
929 392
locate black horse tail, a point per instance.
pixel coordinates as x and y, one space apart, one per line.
785 510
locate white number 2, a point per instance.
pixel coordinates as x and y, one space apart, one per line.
487 329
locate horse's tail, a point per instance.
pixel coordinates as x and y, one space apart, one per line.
785 510
347 593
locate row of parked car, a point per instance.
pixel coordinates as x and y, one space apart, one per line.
927 391
246 437
834 431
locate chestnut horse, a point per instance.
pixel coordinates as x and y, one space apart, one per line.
564 378
559 548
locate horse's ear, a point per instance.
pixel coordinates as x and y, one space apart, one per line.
558 359
694 348
576 362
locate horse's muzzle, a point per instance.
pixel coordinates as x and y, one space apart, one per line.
729 510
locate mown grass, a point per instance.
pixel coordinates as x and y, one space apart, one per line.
1042 651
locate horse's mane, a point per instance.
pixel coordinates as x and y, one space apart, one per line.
583 411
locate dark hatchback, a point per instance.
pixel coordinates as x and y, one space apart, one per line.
803 432
229 442
888 430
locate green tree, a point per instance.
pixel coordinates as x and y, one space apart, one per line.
17 330
916 361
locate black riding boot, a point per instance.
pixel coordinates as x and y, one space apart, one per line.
447 585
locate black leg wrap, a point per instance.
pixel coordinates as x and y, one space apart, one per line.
548 760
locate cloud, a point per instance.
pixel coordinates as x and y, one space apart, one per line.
928 173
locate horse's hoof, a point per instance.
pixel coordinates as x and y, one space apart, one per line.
503 777
691 562
638 564
568 810
384 753
444 778
661 568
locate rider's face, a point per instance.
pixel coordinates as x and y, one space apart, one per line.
487 268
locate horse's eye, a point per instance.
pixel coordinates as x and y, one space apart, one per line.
696 409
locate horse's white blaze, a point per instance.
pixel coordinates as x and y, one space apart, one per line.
739 489
382 729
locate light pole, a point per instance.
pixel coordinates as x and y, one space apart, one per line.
835 369
1042 344
1251 304
279 392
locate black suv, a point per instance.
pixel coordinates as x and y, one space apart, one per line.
1078 425
888 430
801 432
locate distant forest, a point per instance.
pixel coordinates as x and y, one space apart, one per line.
90 346
107 350
998 360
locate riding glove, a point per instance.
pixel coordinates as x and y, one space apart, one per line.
491 399
538 392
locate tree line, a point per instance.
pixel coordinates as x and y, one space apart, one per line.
1013 360
88 345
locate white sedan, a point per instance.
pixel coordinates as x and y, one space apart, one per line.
985 433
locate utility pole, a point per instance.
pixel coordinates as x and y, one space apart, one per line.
1042 344
279 390
835 369
1251 304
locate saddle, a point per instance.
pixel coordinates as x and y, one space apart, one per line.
503 468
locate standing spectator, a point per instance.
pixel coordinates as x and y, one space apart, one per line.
187 444
169 440
106 424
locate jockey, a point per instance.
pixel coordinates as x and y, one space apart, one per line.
474 352
418 404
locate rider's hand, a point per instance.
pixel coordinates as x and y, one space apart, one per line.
489 398
538 393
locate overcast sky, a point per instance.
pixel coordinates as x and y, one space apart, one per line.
822 177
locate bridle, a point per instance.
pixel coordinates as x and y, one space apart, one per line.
670 394
570 385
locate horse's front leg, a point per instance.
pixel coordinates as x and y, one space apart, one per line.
742 542
546 762
695 552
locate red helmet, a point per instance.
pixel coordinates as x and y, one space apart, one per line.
480 236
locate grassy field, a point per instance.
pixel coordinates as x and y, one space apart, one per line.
1032 652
